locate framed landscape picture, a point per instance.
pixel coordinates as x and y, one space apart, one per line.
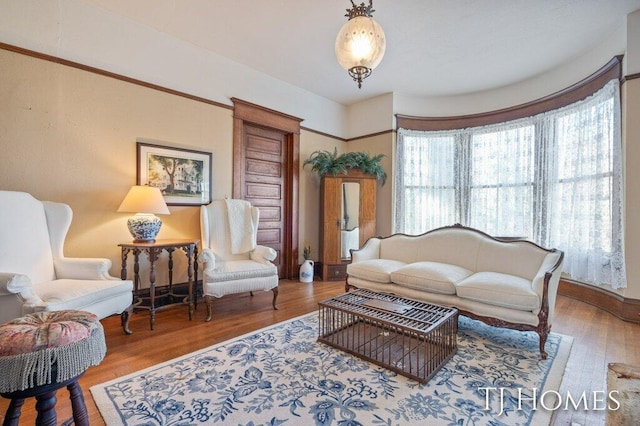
183 175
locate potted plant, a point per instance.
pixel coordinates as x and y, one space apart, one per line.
306 253
323 162
306 270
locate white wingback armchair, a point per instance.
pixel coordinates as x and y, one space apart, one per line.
36 276
233 262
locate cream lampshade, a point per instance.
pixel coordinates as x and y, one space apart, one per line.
146 202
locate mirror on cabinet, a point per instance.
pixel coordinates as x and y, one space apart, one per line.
349 229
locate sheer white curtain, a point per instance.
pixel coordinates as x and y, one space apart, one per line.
425 181
585 194
555 178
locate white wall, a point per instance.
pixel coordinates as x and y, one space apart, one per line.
80 32
632 56
371 116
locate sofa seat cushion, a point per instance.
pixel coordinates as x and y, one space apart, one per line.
494 288
377 270
430 276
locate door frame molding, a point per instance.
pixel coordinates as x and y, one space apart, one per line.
247 113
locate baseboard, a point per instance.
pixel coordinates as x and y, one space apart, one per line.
624 308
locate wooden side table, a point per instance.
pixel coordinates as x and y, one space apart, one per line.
153 251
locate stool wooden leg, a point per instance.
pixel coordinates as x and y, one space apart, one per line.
12 418
46 408
80 416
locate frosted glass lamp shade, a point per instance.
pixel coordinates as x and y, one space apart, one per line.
145 201
360 46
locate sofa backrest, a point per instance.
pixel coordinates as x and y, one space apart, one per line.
457 246
519 258
25 244
468 248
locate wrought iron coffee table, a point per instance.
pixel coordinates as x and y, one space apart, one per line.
407 336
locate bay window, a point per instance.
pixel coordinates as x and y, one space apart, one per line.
554 178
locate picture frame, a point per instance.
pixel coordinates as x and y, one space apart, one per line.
183 175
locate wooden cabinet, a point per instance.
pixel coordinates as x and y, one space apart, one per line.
347 219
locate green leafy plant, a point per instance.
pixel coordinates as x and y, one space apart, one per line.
324 162
306 252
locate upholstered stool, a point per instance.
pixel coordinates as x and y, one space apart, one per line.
43 352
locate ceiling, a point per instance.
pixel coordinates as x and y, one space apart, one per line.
434 47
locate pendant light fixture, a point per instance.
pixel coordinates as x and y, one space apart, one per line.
360 43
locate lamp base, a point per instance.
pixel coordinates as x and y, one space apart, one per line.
144 227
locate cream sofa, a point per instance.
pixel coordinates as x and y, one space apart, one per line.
504 283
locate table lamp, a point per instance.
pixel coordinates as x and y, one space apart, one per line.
145 202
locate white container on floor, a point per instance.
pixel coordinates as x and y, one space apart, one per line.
306 272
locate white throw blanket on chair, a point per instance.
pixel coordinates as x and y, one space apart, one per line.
241 230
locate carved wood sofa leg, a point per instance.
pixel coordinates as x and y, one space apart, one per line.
208 300
543 340
275 291
347 286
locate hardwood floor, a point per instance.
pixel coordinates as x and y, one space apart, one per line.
599 338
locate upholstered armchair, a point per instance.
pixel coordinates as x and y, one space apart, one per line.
233 262
36 276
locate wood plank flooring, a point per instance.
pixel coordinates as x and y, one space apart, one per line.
600 338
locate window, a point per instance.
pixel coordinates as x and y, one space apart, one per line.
554 178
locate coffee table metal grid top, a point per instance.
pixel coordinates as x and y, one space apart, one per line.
407 336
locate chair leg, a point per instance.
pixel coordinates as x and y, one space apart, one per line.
251 293
125 316
80 415
45 406
208 300
275 296
12 417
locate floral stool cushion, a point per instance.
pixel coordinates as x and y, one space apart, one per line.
48 347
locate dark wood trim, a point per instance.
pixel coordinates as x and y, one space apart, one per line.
72 64
371 135
306 129
574 93
630 77
109 74
262 116
246 112
293 202
621 307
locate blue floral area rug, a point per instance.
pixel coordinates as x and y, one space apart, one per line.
280 375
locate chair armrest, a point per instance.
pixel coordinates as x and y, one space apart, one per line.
549 272
263 254
11 283
20 284
370 250
208 259
83 268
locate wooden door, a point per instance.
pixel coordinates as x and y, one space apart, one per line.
265 172
265 184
